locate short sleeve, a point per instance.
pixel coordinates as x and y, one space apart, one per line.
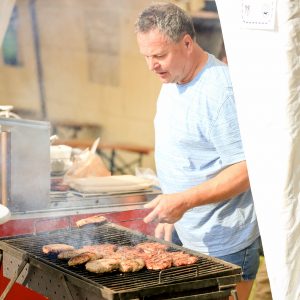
225 133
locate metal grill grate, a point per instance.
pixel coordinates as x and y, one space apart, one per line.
207 267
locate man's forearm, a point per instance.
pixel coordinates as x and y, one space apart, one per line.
230 182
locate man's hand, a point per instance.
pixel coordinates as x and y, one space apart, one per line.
164 231
167 208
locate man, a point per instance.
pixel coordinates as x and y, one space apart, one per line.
198 150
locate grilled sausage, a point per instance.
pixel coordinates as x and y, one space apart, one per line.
70 253
91 220
56 248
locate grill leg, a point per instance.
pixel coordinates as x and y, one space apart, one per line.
14 278
234 294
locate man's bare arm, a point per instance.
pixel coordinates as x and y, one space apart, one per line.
230 182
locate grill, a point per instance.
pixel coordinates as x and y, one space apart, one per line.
23 261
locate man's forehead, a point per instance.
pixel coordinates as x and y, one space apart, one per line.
153 42
153 35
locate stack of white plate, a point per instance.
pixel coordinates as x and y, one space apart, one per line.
116 183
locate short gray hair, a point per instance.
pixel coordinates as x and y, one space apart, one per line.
168 18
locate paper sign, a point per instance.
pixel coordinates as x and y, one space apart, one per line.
258 14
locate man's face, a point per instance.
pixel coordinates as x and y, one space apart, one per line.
164 57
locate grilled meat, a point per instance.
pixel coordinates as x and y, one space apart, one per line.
104 249
70 253
183 259
131 265
127 252
159 261
91 220
82 258
103 265
152 247
101 258
56 248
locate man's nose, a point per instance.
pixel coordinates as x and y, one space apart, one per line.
152 63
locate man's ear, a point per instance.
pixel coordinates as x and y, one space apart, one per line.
187 41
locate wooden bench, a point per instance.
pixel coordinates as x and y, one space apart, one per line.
111 154
71 130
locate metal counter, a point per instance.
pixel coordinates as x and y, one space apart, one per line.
69 204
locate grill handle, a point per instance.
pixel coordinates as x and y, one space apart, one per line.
55 220
5 163
14 278
225 282
165 273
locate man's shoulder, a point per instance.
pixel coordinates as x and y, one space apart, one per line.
217 73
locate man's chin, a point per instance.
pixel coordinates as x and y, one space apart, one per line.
165 79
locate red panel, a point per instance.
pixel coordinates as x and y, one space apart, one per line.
18 292
131 219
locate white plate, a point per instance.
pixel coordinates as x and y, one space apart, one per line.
4 214
116 183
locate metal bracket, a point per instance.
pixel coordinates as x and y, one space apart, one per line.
14 278
63 278
223 286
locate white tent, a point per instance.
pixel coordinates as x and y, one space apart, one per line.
262 41
6 7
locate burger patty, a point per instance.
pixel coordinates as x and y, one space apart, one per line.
152 247
102 247
131 265
105 249
159 261
103 265
128 252
183 259
82 258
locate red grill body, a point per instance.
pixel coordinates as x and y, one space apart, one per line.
131 219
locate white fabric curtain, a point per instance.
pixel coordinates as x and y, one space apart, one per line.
262 41
6 7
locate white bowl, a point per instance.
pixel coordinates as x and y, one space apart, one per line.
60 152
4 214
60 159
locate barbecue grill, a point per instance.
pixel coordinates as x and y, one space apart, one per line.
24 262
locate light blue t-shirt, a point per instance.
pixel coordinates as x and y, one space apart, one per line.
196 136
